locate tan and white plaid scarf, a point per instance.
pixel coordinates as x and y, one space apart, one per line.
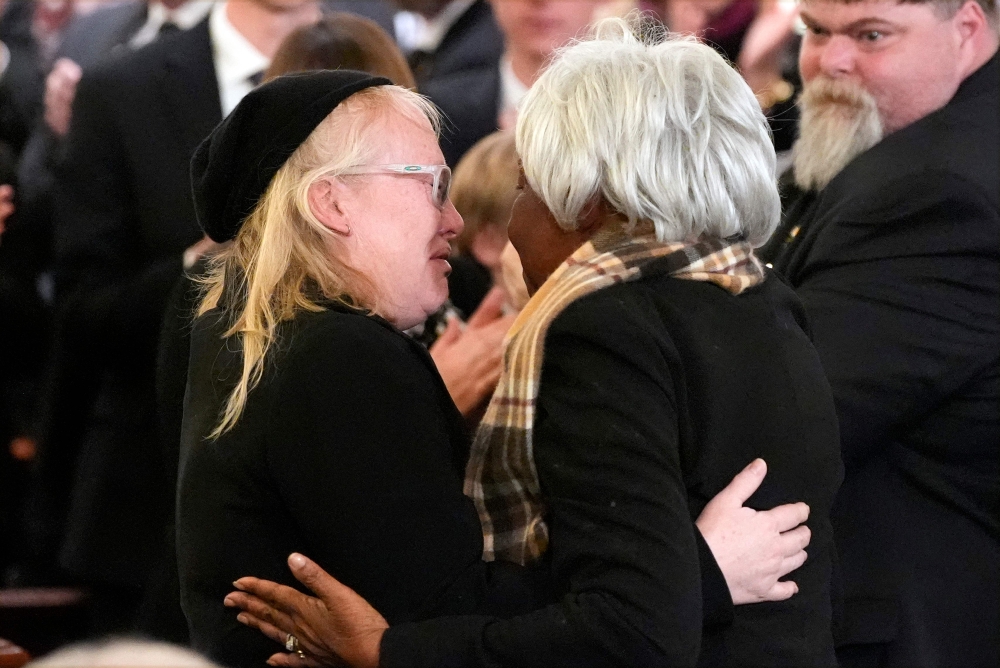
501 477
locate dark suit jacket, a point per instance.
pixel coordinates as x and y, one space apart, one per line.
124 216
472 42
653 394
470 102
897 262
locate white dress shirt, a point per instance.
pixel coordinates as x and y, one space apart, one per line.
512 91
184 17
416 33
236 59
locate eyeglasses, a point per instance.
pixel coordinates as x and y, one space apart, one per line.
439 189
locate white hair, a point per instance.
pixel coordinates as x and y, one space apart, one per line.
661 126
123 652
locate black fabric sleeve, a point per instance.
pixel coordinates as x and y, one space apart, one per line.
881 282
623 551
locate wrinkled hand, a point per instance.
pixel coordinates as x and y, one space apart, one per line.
6 205
754 548
337 627
470 360
60 90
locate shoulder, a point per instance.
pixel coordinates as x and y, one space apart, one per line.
133 71
346 354
104 26
953 152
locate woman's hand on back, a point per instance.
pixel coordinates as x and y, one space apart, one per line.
755 549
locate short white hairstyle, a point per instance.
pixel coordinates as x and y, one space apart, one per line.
661 126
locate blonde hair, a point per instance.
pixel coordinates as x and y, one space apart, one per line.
485 186
283 260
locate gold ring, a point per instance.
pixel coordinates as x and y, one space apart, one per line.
302 655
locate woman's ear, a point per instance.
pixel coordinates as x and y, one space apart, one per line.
329 203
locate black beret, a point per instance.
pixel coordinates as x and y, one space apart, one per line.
234 165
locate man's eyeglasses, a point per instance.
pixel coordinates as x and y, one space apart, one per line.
440 188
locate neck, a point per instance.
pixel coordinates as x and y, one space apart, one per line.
171 5
527 65
266 26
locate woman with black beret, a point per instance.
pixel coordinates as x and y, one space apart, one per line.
311 423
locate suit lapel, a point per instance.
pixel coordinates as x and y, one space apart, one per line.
190 88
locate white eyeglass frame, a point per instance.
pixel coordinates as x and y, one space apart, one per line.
405 170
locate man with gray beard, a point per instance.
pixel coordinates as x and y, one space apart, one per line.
893 245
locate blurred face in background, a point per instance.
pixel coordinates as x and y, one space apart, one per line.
541 26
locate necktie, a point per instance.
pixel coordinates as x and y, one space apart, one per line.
168 28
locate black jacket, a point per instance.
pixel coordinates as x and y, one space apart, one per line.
653 395
124 216
473 42
350 451
470 102
897 262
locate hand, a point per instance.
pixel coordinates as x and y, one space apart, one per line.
754 548
760 56
204 246
60 90
470 360
338 627
6 205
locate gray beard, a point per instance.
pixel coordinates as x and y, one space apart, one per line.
839 121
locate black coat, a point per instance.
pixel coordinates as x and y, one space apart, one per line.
124 216
653 395
350 451
470 102
473 42
897 262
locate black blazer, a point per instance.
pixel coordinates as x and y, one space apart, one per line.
470 102
472 42
653 395
124 216
897 262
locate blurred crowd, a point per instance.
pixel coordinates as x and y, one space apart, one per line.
102 105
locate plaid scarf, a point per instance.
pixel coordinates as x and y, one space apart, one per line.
501 478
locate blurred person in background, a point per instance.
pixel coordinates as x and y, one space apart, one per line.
443 37
124 229
484 191
758 37
477 102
